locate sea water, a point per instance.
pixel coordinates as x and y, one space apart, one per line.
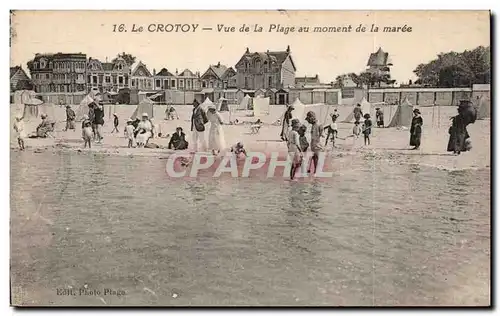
374 234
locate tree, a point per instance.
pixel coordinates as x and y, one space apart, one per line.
454 69
129 58
24 85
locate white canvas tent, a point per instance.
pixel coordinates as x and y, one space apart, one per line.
83 108
245 103
222 105
365 108
483 107
261 106
206 104
146 106
403 115
299 110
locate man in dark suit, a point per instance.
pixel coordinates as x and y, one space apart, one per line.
178 140
198 121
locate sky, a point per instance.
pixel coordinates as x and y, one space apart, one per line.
325 54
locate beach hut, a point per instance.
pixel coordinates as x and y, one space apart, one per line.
146 106
365 108
403 115
223 105
245 103
260 93
83 108
282 96
271 94
483 107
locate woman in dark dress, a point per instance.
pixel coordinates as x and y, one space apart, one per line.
178 140
416 129
459 137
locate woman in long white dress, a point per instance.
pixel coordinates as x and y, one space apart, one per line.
216 139
144 129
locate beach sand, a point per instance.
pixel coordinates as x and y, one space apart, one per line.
391 144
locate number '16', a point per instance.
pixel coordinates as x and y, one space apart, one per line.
119 28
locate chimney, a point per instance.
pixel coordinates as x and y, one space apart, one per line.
268 51
154 72
218 64
176 71
288 49
106 58
248 51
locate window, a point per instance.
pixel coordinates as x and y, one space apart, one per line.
181 83
246 82
204 84
120 80
211 84
257 65
126 81
108 79
270 82
266 66
47 76
188 84
173 83
133 82
94 79
158 83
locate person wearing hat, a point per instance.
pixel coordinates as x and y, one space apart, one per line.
287 117
144 130
216 139
45 128
198 121
379 116
178 140
316 134
294 151
129 132
98 121
116 121
416 129
70 118
459 139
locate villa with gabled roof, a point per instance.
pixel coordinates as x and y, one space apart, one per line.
142 79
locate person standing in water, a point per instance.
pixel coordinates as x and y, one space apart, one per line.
358 112
287 117
367 128
294 150
416 129
316 133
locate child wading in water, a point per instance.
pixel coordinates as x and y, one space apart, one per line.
115 123
294 151
304 144
129 133
356 130
367 128
87 132
19 128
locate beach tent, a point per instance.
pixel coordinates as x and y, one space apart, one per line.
365 108
483 107
403 114
146 106
299 110
83 108
245 103
206 104
223 105
261 106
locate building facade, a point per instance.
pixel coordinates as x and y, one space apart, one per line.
264 70
142 79
107 77
213 77
189 81
164 80
18 78
302 81
58 72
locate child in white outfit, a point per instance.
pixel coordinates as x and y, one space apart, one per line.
129 133
21 133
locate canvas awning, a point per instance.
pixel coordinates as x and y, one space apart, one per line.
207 90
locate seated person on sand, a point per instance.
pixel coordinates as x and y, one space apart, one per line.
255 127
238 149
45 128
171 113
178 140
145 130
